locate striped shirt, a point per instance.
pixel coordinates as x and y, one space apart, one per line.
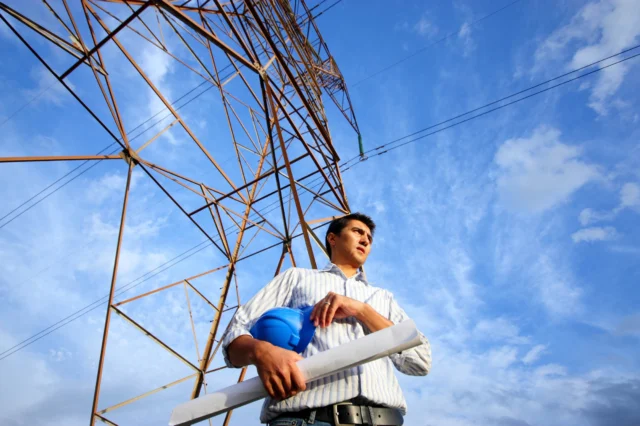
374 382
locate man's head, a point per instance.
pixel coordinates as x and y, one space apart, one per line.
349 239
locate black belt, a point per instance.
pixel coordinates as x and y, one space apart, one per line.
349 414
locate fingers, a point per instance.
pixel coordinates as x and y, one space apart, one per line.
269 388
298 379
279 373
319 308
315 311
322 307
285 377
325 310
331 312
278 389
333 302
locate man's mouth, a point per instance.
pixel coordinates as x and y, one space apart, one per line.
361 250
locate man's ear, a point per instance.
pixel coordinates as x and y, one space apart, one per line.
331 237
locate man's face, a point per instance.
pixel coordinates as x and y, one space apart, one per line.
352 245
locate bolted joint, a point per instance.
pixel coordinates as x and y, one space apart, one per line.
262 71
129 155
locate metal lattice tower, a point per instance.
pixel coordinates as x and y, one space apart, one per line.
268 66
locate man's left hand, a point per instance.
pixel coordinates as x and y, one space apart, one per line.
335 306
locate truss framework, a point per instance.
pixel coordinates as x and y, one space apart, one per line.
269 66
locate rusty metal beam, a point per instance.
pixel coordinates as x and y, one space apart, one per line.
169 7
59 158
259 44
52 37
109 36
107 321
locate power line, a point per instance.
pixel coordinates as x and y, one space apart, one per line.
129 286
94 305
97 303
131 131
389 144
54 191
446 37
62 258
50 185
320 13
101 151
515 101
28 103
345 167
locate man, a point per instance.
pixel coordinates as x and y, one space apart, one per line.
346 307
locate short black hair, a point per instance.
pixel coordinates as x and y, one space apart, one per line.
337 225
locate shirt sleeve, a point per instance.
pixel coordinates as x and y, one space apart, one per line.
415 361
275 294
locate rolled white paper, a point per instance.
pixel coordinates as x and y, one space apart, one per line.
374 346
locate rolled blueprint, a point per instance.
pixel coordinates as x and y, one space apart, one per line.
374 346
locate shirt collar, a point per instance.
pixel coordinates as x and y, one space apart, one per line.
331 267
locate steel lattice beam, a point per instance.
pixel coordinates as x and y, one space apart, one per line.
269 67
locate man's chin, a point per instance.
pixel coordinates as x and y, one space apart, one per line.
359 260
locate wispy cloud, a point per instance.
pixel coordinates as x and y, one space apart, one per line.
597 30
534 354
464 35
539 172
630 195
425 27
594 234
158 66
629 199
556 286
499 329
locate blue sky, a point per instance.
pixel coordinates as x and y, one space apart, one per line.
512 240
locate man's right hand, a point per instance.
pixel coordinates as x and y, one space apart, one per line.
278 371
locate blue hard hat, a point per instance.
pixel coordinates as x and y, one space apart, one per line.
287 328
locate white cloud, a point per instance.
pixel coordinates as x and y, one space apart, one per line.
30 376
594 234
629 198
540 172
551 370
464 35
630 195
469 388
599 29
625 249
556 287
502 357
59 355
159 66
589 216
499 329
111 185
425 28
534 354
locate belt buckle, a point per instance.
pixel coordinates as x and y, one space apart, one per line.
334 410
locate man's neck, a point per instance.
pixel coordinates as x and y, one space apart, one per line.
347 269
